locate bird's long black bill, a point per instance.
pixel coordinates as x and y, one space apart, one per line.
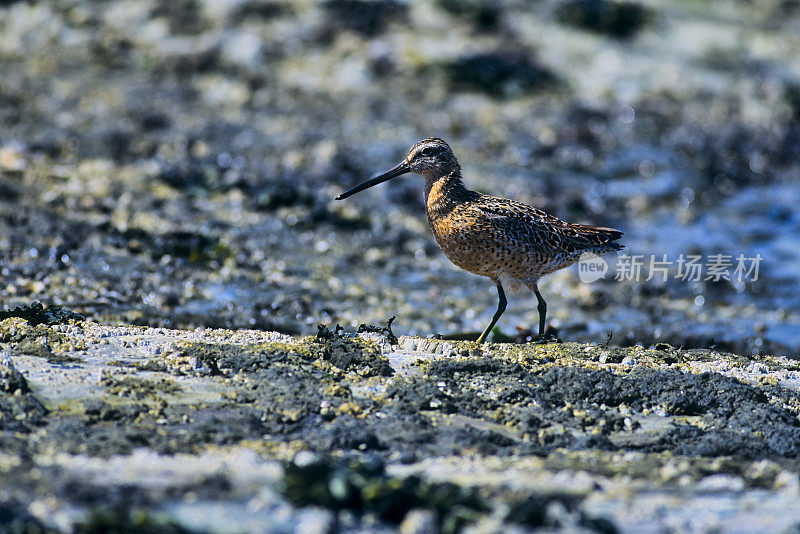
388 175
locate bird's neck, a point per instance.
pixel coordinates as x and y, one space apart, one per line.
445 192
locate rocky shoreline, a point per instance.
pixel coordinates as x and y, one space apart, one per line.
225 431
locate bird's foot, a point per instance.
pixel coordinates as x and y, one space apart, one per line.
549 336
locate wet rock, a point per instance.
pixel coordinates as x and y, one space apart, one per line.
365 17
273 195
192 246
498 74
618 19
52 143
11 380
34 346
340 217
117 144
259 10
20 412
418 521
192 174
10 107
792 96
362 485
484 15
223 91
529 512
188 245
244 49
734 156
14 518
9 190
186 63
352 353
150 121
184 16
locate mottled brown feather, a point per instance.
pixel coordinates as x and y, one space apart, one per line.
502 238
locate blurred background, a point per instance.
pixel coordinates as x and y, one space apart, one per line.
174 163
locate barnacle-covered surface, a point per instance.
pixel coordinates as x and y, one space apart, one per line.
216 430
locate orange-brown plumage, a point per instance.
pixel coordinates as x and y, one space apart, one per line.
491 236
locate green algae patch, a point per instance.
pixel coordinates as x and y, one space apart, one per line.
39 340
14 330
152 365
139 388
327 350
36 314
338 392
41 347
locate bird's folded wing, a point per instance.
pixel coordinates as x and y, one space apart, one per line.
549 235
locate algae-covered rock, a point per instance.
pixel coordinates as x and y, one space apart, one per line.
436 432
348 352
38 339
36 313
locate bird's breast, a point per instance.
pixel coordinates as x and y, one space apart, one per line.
465 241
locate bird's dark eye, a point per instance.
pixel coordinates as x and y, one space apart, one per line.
428 151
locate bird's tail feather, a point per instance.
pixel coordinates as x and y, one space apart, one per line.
595 238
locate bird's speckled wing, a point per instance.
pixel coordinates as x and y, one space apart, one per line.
545 234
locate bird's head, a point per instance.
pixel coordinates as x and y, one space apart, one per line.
430 158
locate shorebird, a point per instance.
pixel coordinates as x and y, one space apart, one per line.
501 239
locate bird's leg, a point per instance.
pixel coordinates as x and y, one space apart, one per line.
542 307
501 307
